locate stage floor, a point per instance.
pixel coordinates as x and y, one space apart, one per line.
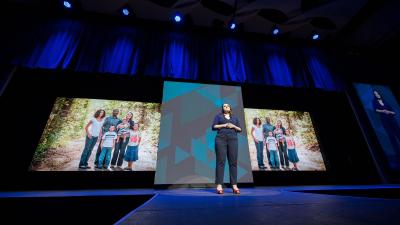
258 205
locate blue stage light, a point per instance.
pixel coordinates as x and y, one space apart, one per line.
125 12
315 36
67 4
275 31
232 25
177 18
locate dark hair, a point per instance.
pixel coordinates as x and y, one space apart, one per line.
255 120
222 108
130 119
131 122
97 113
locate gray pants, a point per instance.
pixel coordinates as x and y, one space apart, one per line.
226 146
119 151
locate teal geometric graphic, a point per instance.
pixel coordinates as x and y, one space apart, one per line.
199 150
162 169
202 171
165 131
210 139
242 146
212 164
180 155
240 172
191 112
226 172
212 93
175 89
186 139
231 99
210 155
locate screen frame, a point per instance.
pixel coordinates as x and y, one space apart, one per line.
316 136
376 150
63 83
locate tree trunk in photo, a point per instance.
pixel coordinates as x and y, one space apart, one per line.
60 110
288 121
65 109
142 114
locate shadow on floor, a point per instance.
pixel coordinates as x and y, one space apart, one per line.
69 210
388 193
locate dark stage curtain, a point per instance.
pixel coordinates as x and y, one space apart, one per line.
87 46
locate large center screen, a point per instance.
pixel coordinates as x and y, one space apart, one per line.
186 153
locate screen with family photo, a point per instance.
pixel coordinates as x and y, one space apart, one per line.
99 135
282 141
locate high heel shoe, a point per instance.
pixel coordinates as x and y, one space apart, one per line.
220 191
236 191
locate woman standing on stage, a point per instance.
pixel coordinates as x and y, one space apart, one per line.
226 145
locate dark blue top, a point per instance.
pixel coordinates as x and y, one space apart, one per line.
220 119
267 128
110 121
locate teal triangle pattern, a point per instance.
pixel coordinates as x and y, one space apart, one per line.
176 89
180 155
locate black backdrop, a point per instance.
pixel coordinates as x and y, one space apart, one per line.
29 97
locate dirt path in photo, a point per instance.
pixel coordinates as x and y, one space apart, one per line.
309 160
67 159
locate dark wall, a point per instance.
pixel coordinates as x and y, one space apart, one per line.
29 97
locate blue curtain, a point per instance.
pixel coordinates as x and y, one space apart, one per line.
120 53
86 46
278 71
229 64
54 46
320 74
178 59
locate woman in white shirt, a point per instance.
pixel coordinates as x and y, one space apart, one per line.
92 136
257 133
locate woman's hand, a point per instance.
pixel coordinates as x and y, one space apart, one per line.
230 125
89 135
219 126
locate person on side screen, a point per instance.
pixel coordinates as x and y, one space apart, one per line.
388 120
